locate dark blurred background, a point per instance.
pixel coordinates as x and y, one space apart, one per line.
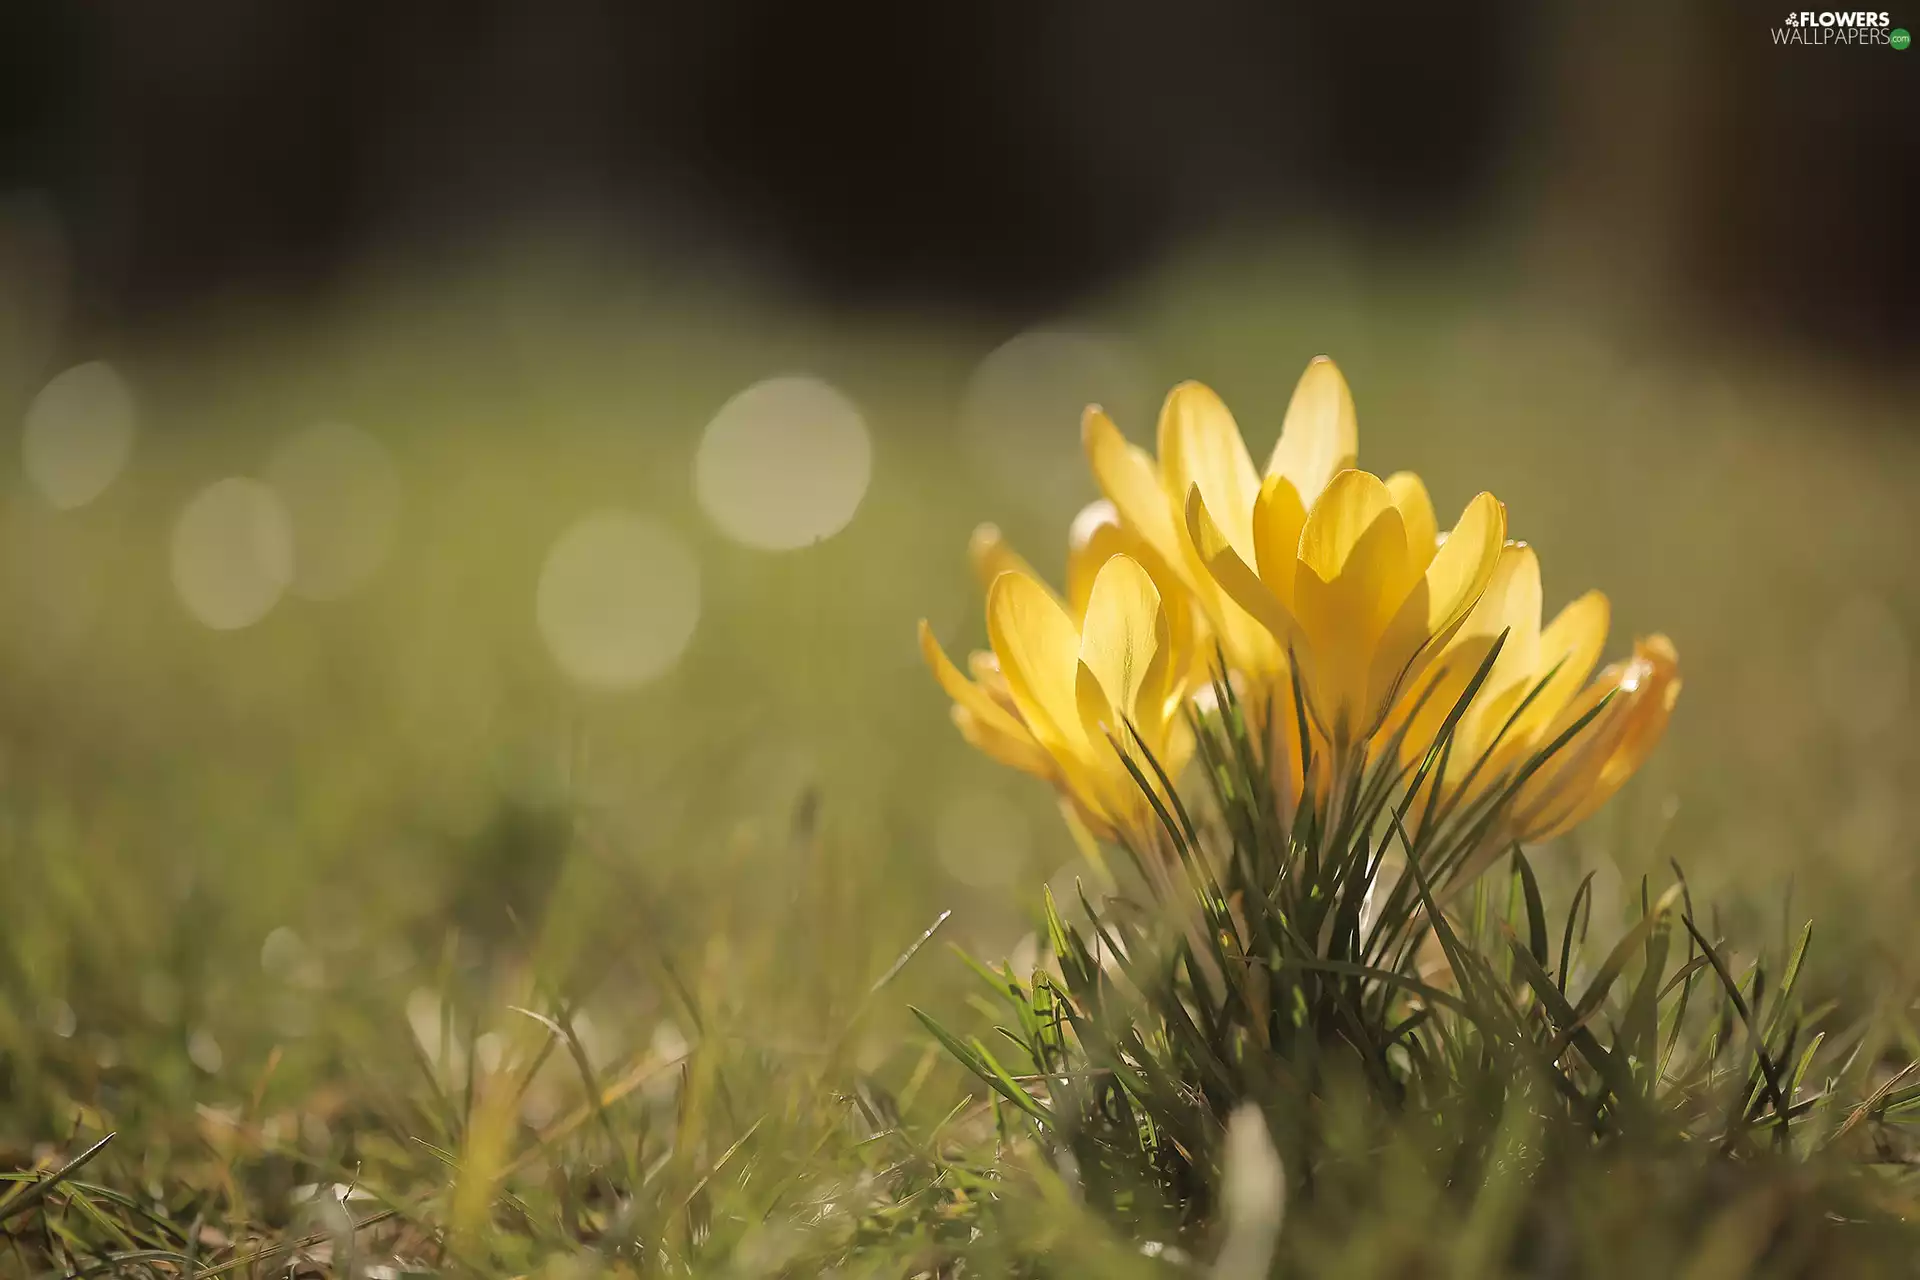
994 159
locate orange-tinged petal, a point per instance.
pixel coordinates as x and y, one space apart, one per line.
1131 482
1201 446
1416 512
1652 682
1039 651
1320 436
1585 774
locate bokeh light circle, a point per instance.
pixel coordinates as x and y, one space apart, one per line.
343 495
1020 416
618 599
784 464
78 434
232 553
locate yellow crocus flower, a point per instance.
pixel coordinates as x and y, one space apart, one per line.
1066 678
1200 447
1095 536
1535 692
1354 587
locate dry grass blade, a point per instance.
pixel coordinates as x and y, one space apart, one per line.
38 1191
1879 1095
288 1246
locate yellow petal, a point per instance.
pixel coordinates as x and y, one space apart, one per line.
1015 750
1200 446
983 722
1654 682
964 692
1461 567
1039 651
1433 697
1095 537
1442 598
1320 436
1416 512
1569 648
1123 641
1241 584
1175 747
1511 603
1645 689
1131 482
1343 616
1102 783
1108 790
1278 517
1105 783
991 555
1350 506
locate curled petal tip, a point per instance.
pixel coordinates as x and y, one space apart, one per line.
1663 661
1093 517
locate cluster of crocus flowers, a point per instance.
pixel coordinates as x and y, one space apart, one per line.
1308 575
